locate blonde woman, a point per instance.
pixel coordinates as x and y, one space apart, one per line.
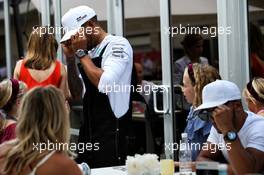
254 95
195 77
43 119
11 92
40 67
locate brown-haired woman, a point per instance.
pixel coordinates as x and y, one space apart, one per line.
40 67
43 120
254 95
195 77
11 92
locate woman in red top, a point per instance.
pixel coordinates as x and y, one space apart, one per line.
40 67
10 93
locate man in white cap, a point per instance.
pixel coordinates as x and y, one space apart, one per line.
105 65
236 134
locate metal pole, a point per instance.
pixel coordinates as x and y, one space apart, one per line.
57 21
115 17
233 47
110 14
17 25
8 38
45 12
166 55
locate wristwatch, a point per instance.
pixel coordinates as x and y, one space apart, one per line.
230 136
80 53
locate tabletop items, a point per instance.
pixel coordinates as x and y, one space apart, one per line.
146 164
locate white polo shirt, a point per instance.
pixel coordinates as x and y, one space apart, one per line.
251 134
117 63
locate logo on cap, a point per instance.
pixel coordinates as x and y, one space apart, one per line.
81 18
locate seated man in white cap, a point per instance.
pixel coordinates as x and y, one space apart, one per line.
106 63
236 134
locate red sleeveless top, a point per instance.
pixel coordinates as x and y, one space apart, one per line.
9 133
53 79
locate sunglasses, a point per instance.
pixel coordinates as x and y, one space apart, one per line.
205 114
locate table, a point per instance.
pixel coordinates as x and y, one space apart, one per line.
119 170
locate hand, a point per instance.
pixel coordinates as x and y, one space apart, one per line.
79 40
67 49
177 165
223 118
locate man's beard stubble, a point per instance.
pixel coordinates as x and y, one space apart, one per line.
91 42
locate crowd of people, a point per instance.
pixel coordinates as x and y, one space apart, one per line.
34 104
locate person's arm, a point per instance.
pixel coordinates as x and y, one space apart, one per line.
243 160
17 70
64 84
70 168
209 152
59 164
74 82
93 73
115 64
177 165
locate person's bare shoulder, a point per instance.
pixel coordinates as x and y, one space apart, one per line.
4 147
19 62
63 69
59 164
17 69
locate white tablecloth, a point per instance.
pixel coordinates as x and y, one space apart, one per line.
120 170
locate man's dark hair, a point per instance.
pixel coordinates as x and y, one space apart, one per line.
190 40
93 19
256 41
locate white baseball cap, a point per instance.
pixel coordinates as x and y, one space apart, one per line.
73 19
218 93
